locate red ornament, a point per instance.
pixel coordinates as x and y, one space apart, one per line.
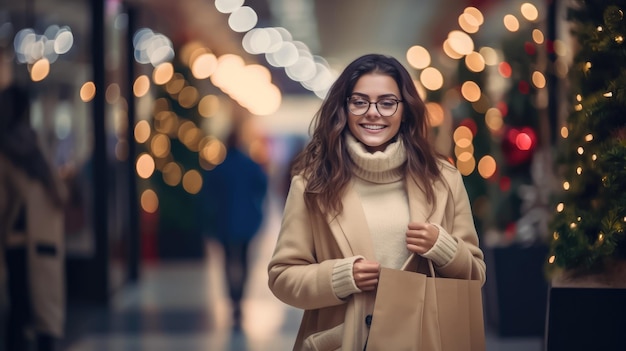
518 145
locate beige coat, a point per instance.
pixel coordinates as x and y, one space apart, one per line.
309 244
45 231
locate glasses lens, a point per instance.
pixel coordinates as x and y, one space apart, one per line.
358 106
387 107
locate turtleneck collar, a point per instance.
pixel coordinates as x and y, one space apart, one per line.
379 167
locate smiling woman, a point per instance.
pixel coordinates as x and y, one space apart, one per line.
368 192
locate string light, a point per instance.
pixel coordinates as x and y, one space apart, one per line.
552 259
599 29
555 235
581 150
608 94
588 137
619 39
560 207
579 170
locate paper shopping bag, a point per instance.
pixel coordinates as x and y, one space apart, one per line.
416 312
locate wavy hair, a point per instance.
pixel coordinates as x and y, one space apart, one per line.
325 163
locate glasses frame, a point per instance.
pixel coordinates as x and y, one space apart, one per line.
398 101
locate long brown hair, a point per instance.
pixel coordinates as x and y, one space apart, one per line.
325 162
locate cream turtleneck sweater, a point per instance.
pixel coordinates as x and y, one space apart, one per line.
379 181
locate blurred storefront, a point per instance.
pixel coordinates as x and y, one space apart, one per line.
73 58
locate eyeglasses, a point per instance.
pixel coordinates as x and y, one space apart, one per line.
386 107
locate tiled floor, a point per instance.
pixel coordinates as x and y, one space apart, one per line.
183 306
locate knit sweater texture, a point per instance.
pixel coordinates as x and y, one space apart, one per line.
379 182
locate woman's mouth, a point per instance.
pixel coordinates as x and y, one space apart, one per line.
372 126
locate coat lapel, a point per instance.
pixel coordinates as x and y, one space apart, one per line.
350 227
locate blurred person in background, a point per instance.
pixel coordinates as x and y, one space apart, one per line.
31 228
232 204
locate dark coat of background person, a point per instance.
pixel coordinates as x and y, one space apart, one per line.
31 231
232 202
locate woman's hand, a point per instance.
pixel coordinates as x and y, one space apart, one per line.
421 237
366 274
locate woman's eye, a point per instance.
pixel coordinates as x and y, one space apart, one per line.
386 103
359 102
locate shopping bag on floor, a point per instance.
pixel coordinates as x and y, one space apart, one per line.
417 312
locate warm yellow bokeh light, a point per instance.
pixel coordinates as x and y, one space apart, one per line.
149 201
449 51
529 11
188 49
474 12
418 57
487 166
184 127
431 79
208 106
511 23
462 132
468 23
142 131
88 91
163 73
141 86
460 42
493 119
204 65
145 165
40 70
538 79
160 145
212 150
475 62
470 91
466 164
192 181
166 122
176 84
538 36
564 132
172 174
188 97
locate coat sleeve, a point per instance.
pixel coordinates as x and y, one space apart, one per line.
295 275
468 261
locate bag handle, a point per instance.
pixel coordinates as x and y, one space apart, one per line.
431 267
415 256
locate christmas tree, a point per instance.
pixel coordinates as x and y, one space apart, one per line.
588 225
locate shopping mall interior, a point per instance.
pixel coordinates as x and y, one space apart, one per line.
132 103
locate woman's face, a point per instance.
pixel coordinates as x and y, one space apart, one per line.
371 128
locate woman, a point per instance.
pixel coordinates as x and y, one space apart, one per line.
367 192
